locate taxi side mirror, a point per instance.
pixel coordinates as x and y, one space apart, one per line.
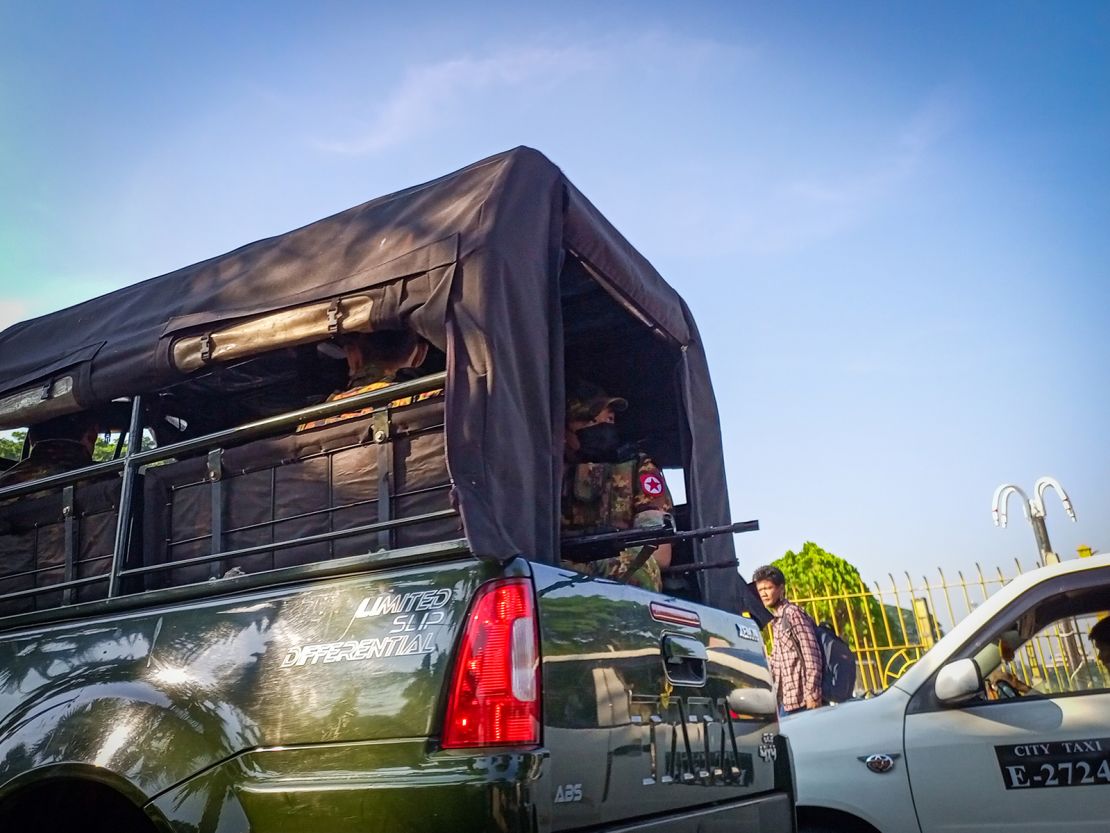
958 681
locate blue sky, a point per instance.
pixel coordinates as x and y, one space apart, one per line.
890 220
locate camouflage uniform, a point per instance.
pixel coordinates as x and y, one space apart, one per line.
600 497
47 457
346 394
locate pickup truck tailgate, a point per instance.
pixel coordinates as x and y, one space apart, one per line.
635 711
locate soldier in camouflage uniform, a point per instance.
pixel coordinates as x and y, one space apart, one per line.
57 445
605 489
374 361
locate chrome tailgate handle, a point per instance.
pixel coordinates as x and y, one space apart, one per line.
684 660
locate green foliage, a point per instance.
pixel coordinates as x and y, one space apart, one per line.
11 445
817 572
819 575
105 448
833 591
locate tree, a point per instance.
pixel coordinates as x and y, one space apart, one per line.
835 590
11 445
832 590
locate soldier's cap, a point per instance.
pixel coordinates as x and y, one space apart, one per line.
586 400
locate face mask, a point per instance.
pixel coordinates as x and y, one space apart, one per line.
599 443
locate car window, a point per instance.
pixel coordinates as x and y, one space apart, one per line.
1059 658
1048 651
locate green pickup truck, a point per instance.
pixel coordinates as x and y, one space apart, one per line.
282 611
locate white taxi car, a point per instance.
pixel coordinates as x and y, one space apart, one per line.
959 743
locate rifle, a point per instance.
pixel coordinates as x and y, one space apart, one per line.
683 569
601 545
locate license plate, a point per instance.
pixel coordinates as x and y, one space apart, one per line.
1057 763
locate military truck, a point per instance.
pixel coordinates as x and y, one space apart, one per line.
235 625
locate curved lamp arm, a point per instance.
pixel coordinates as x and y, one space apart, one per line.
1046 483
1002 498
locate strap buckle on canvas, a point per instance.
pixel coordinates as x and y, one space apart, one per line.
335 313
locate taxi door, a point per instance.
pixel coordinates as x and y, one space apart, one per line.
1036 759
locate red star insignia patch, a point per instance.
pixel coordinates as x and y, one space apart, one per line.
651 484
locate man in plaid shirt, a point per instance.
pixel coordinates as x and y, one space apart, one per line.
796 661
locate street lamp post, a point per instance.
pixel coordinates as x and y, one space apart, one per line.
1034 511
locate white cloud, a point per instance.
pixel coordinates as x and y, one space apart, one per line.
808 209
11 311
778 209
912 143
429 91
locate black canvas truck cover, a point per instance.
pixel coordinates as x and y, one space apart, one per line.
471 262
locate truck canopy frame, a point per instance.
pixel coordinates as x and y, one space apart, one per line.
498 265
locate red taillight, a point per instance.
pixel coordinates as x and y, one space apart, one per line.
495 694
674 615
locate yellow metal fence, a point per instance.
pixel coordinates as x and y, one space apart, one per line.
890 624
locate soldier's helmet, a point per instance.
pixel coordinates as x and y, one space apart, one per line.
586 400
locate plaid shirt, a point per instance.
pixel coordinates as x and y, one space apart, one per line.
796 662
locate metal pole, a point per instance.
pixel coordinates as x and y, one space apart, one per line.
1035 512
1040 532
123 518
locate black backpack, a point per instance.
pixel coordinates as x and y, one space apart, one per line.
838 682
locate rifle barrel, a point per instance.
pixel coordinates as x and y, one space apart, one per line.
656 535
679 569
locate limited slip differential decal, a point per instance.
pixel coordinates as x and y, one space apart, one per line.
416 618
1055 763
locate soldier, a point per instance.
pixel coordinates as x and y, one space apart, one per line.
57 445
607 486
375 361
